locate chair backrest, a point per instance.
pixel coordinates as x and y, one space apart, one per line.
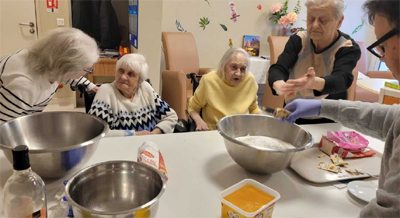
362 63
180 51
351 91
276 46
389 96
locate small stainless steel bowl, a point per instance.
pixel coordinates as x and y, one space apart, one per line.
262 160
115 189
59 142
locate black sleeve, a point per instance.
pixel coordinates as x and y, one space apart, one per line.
341 77
288 58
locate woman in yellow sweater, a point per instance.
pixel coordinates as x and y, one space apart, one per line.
229 90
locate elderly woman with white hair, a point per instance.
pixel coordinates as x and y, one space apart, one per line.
316 63
231 89
30 77
130 103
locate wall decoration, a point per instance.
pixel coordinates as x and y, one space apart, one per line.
259 7
251 44
208 2
230 42
179 26
204 21
223 27
359 27
279 15
234 14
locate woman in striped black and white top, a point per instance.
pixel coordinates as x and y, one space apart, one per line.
29 78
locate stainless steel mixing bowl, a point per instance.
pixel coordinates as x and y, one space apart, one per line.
115 189
256 159
59 142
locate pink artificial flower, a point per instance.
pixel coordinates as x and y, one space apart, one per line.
284 21
288 19
275 8
292 17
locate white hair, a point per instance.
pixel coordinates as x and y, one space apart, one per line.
228 56
60 51
135 62
337 5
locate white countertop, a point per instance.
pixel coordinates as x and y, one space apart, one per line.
374 84
199 168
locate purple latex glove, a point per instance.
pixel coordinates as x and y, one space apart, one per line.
302 108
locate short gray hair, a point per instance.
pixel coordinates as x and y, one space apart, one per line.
62 50
135 62
338 5
227 57
386 8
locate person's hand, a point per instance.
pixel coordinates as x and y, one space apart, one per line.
282 88
302 108
305 82
201 125
94 90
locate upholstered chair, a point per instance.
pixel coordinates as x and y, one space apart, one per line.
181 59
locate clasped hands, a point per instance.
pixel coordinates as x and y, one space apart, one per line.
291 86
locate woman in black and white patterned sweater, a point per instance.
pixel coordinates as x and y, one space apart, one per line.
130 103
29 78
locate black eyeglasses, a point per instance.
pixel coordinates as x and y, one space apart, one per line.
88 70
377 48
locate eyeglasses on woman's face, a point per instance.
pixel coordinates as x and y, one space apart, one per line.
88 70
377 48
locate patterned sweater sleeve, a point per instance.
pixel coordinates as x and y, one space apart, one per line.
101 106
165 114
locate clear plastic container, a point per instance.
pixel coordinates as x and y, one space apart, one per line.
230 209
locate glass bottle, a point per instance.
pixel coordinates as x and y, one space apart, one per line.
24 192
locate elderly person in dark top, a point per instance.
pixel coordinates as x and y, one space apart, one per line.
30 77
378 120
316 63
130 103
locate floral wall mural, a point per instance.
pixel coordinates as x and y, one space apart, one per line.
219 24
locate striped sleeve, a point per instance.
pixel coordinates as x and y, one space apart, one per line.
15 101
81 81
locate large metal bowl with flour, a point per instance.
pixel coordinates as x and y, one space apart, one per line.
280 141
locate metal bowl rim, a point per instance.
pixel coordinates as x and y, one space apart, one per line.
146 205
60 149
309 144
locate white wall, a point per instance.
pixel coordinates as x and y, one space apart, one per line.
213 41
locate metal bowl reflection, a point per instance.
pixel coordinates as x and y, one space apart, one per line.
59 142
115 189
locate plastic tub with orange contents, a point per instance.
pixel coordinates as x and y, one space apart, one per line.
248 198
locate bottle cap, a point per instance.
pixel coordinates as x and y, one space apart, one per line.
21 157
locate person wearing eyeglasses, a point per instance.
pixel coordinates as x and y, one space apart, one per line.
377 120
231 89
30 77
130 104
316 63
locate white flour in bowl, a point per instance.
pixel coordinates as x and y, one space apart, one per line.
265 142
